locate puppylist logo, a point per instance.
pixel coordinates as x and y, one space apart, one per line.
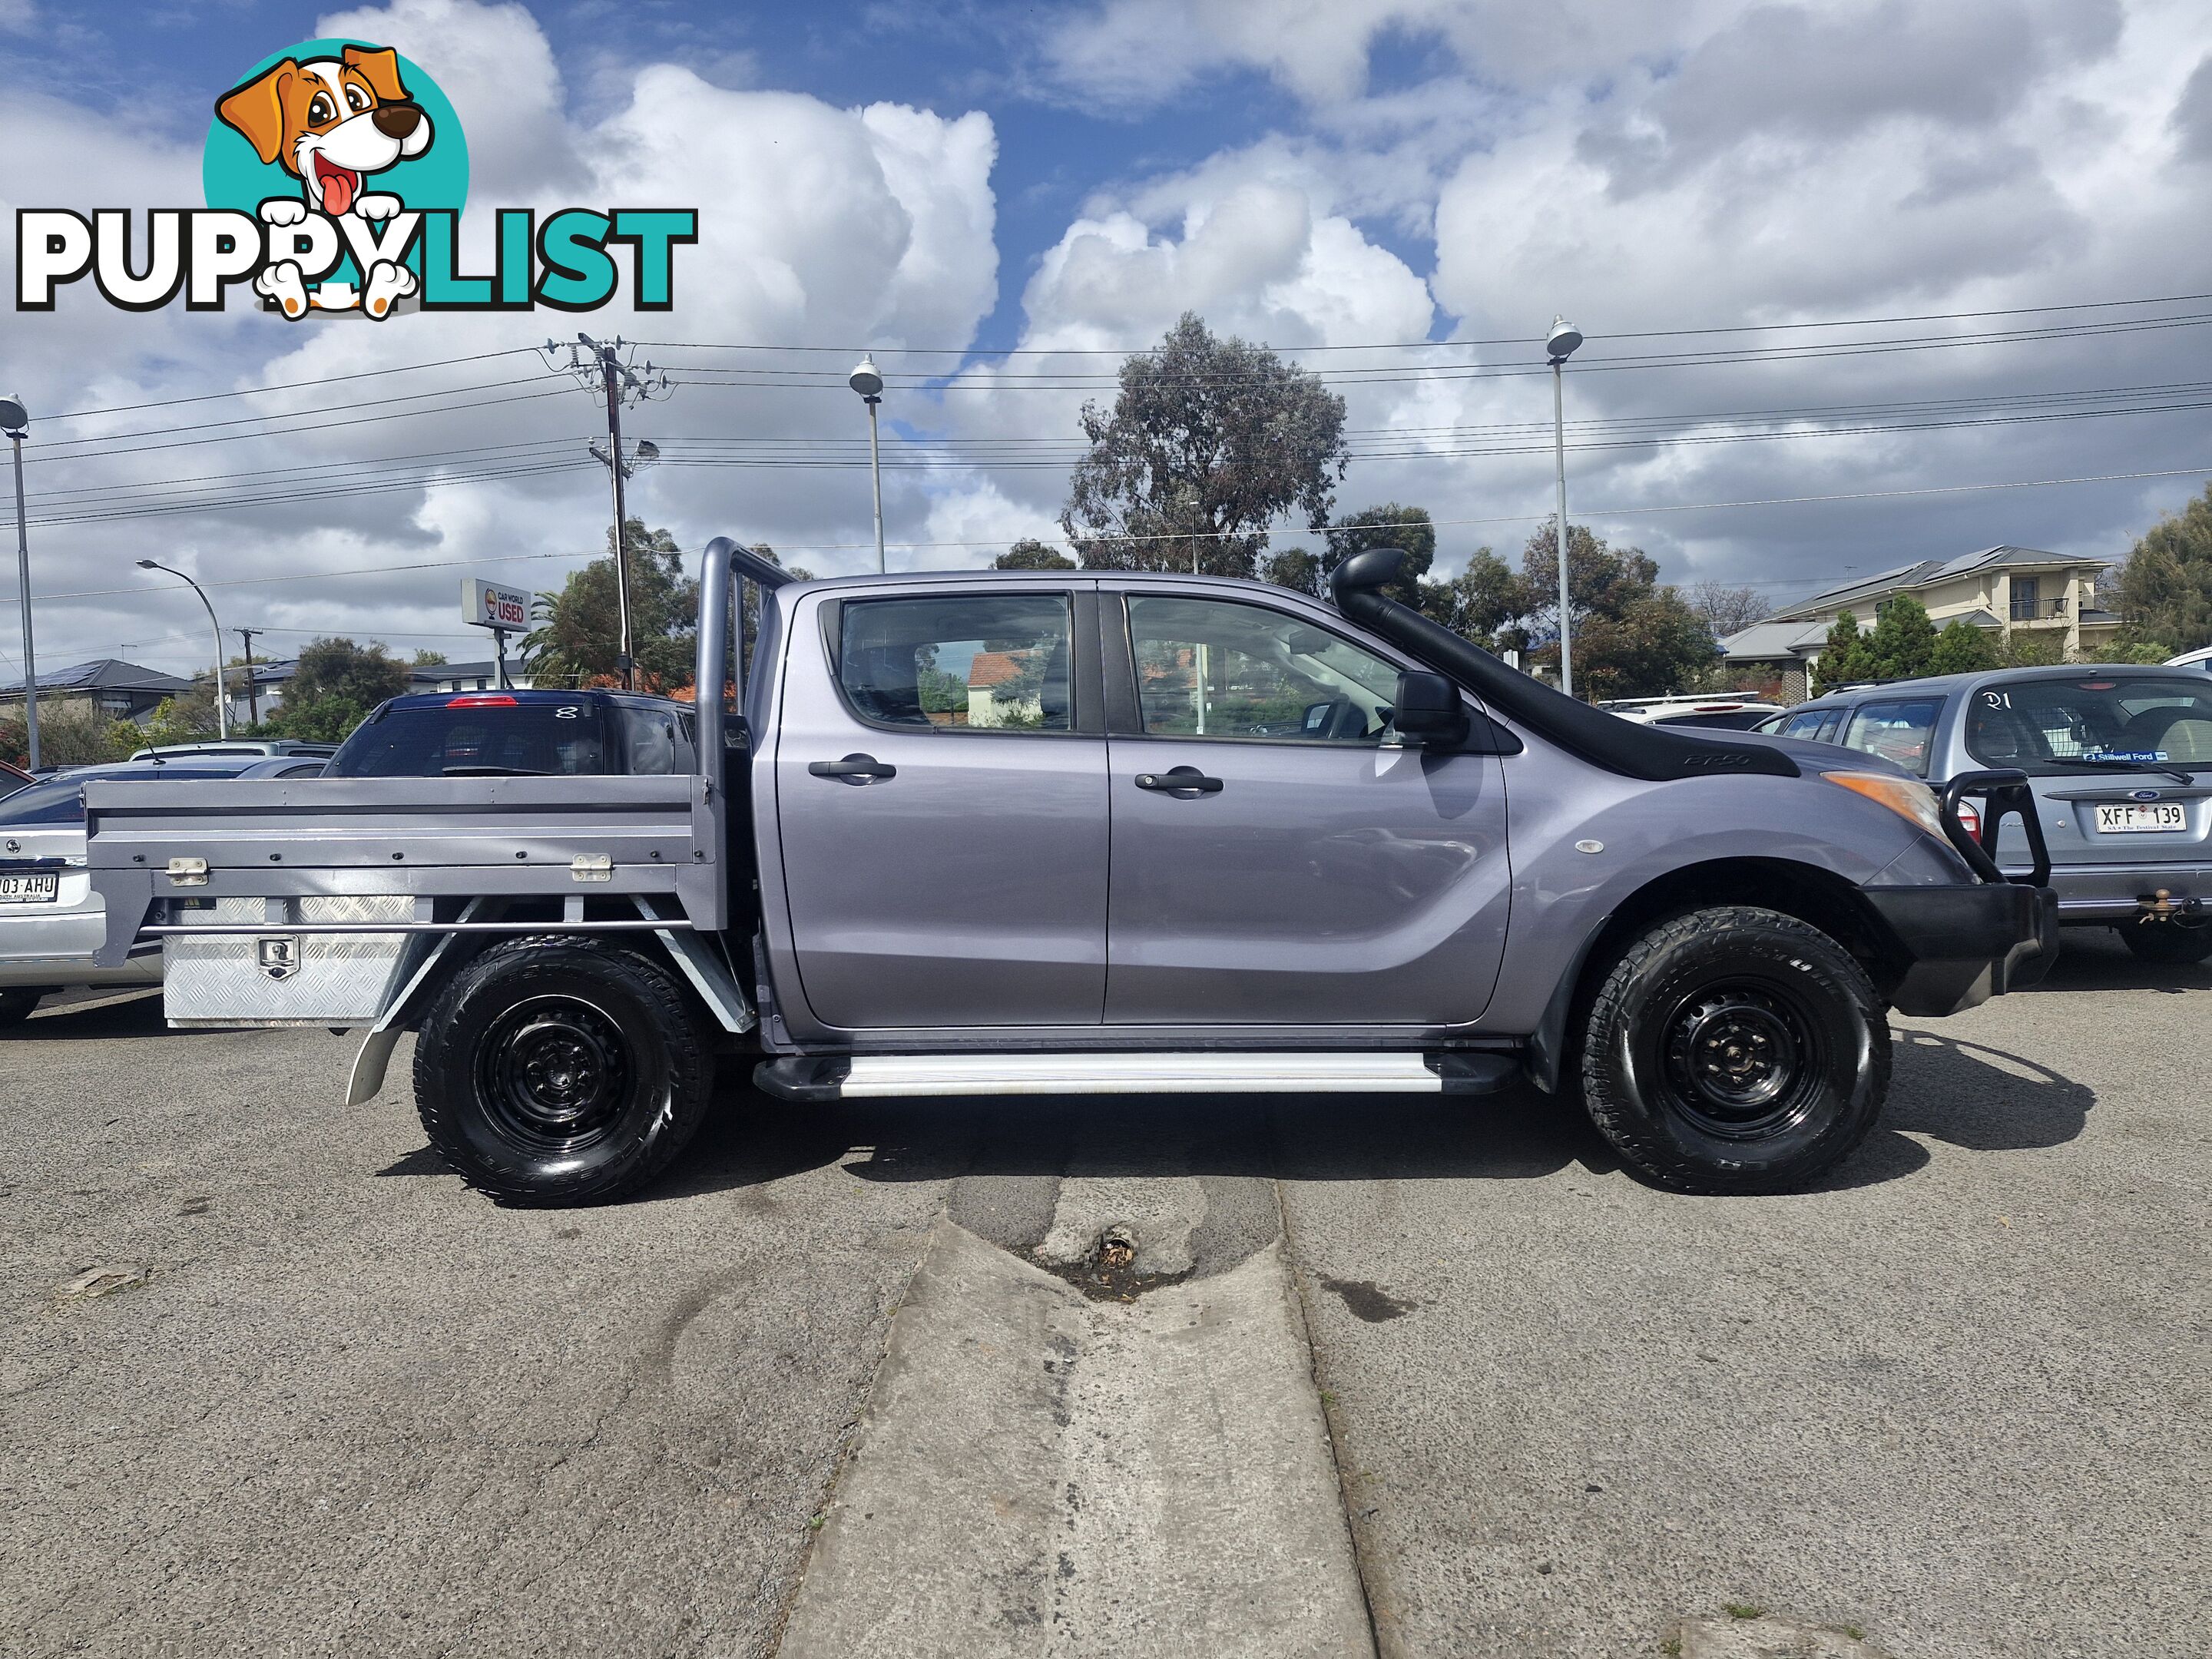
335 174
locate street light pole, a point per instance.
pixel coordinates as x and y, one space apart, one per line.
1560 345
222 702
867 380
14 419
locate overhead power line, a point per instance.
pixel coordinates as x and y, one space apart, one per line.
63 449
355 375
291 386
1419 345
1586 514
1078 380
220 492
91 512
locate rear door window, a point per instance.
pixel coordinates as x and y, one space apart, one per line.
998 662
1807 725
1898 731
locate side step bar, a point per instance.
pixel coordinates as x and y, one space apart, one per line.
808 1077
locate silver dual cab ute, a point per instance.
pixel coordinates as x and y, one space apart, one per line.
968 833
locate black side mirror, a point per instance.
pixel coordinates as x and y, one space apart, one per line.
1429 711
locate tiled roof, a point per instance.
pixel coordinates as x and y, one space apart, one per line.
996 667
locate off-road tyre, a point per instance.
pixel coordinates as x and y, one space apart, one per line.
561 1070
1735 1050
2170 944
17 1004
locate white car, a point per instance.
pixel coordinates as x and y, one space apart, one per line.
51 920
238 749
2200 658
1723 710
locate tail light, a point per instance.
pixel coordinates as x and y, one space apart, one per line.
483 700
1970 818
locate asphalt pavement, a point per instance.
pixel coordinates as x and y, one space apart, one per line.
1956 1403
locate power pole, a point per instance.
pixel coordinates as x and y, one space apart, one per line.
253 690
601 366
16 421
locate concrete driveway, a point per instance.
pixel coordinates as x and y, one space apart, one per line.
1435 1378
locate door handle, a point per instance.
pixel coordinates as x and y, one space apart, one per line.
853 769
1180 781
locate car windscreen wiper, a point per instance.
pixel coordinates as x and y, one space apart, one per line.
2178 774
494 772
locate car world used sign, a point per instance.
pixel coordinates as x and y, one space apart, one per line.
486 604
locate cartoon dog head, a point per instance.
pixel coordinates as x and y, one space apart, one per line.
329 121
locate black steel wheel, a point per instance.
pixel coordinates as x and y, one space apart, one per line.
2176 943
560 1070
554 1073
1735 1050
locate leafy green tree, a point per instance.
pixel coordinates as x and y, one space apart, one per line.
72 732
1409 528
1632 636
186 717
1209 441
578 639
1846 659
2029 647
1651 648
2164 591
333 689
428 658
1484 603
1904 639
1030 554
1962 648
1296 569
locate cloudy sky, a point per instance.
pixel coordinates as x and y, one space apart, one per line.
1807 243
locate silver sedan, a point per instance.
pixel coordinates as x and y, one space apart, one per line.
51 920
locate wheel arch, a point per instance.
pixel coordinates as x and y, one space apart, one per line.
1820 897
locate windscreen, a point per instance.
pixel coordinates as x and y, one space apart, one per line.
464 739
2094 723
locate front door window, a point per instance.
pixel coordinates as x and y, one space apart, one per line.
1210 669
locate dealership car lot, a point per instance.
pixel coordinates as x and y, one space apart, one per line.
1956 1399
